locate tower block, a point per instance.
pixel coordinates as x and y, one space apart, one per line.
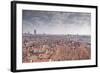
35 31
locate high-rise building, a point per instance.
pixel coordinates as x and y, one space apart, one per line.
35 31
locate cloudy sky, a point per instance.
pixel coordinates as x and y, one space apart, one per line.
51 22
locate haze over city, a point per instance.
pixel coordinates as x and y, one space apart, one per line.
51 22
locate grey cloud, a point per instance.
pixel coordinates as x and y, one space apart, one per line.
51 22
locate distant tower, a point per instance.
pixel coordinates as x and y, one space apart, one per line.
35 31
